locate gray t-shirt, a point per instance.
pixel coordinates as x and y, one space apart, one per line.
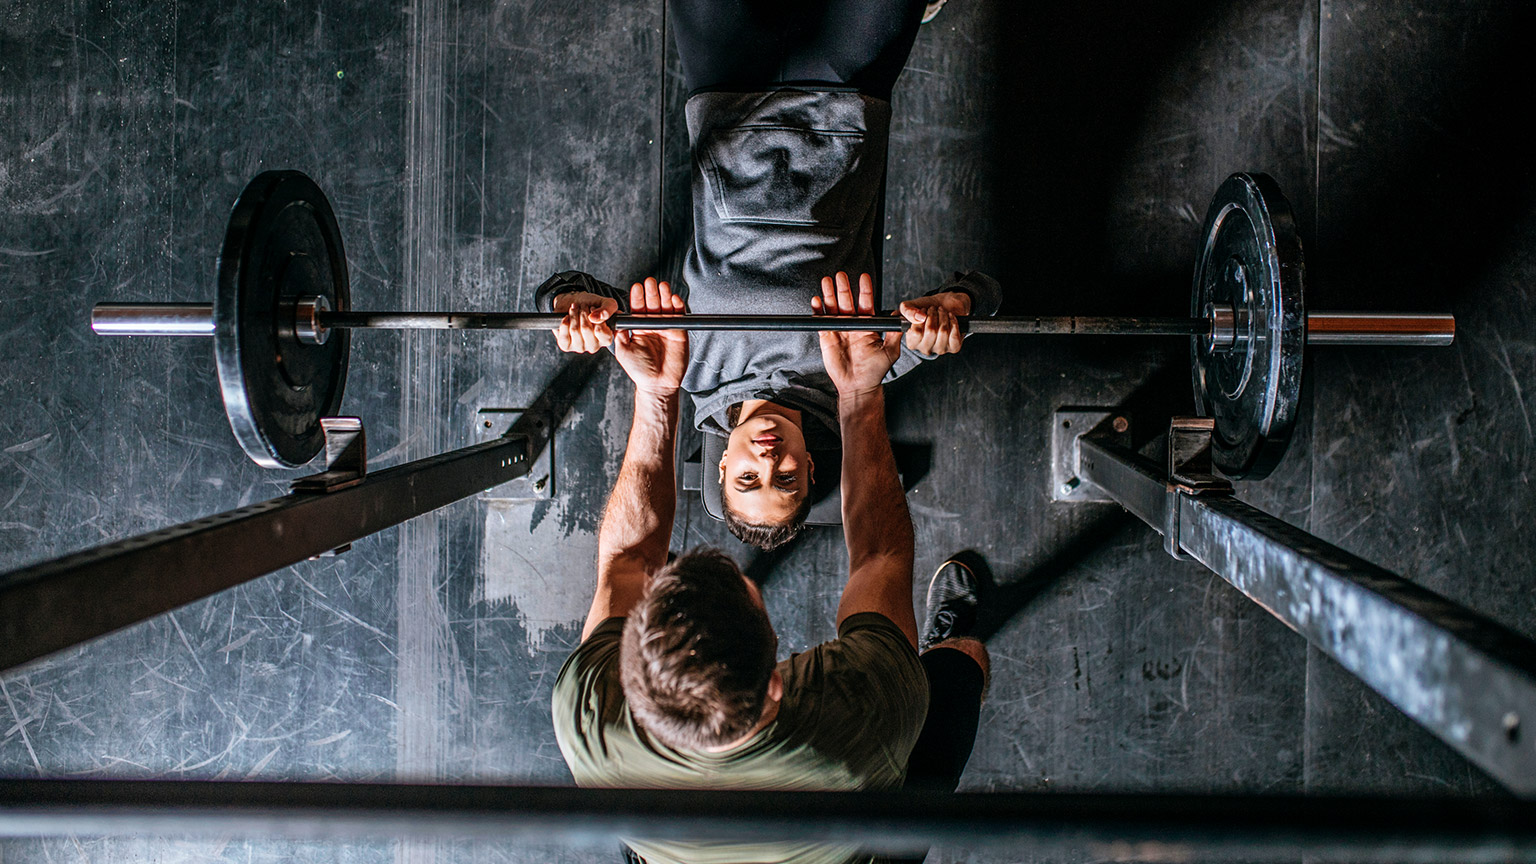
787 188
851 713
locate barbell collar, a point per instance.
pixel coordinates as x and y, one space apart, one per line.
306 320
1223 320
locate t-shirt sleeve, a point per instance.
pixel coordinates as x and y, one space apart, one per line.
872 696
873 643
587 696
985 292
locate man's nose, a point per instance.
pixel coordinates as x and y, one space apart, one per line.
770 461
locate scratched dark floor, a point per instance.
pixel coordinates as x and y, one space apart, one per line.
471 148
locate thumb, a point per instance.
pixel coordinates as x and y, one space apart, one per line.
912 312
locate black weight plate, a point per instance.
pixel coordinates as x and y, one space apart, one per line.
282 244
1251 259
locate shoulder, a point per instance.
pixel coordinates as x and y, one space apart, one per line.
859 700
870 666
587 698
590 677
595 657
872 640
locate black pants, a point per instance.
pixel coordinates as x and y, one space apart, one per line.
955 684
955 687
749 43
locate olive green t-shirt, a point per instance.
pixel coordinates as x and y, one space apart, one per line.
851 712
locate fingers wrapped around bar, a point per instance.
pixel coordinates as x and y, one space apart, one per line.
654 359
934 322
584 329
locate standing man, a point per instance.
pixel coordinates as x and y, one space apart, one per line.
788 120
675 683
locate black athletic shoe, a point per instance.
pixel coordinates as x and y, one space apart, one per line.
953 596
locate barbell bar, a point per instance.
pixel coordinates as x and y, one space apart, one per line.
313 323
282 319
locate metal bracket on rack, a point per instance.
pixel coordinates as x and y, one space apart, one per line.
346 457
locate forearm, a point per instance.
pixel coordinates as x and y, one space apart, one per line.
876 525
637 523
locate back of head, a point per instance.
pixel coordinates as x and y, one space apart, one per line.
697 653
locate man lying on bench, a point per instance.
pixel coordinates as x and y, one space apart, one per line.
785 189
766 390
788 119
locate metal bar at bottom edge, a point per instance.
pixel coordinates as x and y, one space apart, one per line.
55 604
1464 677
1112 826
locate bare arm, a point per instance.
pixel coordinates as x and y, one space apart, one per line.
637 524
876 525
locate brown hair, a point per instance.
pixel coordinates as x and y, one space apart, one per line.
697 653
768 536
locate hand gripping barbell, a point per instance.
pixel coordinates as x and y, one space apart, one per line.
282 317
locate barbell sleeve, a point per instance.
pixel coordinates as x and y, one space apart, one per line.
152 319
1380 328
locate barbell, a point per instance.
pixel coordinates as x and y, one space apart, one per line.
282 317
